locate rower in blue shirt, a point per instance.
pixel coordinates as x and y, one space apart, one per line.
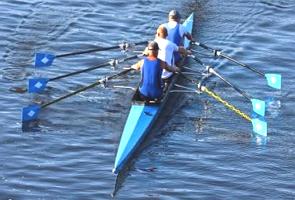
176 31
150 87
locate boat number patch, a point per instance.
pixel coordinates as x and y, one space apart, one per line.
148 113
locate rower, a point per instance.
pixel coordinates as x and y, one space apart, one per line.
167 48
176 31
150 87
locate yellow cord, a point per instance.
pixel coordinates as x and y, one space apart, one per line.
225 103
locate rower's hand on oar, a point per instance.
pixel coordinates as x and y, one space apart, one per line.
177 70
188 52
134 67
137 66
145 52
184 51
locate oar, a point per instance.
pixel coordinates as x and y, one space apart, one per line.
43 59
198 61
31 112
273 80
257 104
37 85
259 125
190 69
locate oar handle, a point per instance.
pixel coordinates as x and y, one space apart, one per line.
123 46
87 87
206 76
204 46
198 84
187 78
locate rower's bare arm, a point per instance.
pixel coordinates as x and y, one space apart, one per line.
169 68
184 51
138 65
145 52
189 37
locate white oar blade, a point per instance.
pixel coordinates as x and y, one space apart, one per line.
274 80
37 85
258 106
43 59
259 127
30 113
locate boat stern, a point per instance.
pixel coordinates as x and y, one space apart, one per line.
137 125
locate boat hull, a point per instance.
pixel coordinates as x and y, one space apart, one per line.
142 117
138 123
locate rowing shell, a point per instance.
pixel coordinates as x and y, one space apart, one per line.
143 116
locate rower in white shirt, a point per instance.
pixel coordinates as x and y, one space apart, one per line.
166 50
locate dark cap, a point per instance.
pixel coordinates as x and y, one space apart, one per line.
174 14
152 45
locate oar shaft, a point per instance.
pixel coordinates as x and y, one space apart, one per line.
187 89
219 53
80 71
195 71
204 78
86 87
197 60
241 64
211 70
71 94
187 78
92 68
125 45
87 51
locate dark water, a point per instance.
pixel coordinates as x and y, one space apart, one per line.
204 152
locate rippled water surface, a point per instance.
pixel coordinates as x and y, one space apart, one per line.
204 151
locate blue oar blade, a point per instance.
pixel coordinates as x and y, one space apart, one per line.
259 127
30 113
274 80
43 59
37 85
258 106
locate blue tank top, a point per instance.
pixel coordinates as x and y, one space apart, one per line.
151 82
174 36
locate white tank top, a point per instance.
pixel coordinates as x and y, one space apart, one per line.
166 49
